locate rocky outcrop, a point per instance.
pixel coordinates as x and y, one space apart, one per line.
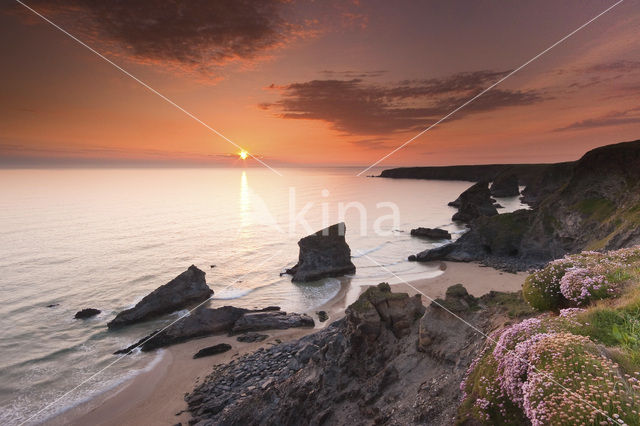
363 369
227 319
598 207
186 289
323 254
87 313
505 185
212 350
433 233
272 320
473 203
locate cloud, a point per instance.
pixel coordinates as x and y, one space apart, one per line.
355 106
613 118
195 35
621 66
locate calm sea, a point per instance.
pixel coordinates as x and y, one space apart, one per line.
104 238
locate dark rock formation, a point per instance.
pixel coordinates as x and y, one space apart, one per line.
212 350
87 313
186 289
273 320
363 369
597 207
227 319
473 203
322 316
53 305
323 254
251 337
505 185
433 233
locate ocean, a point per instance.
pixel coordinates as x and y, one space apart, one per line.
104 238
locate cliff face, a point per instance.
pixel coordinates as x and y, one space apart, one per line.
596 205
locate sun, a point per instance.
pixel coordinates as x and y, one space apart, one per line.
243 154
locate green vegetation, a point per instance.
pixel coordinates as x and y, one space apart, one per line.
597 209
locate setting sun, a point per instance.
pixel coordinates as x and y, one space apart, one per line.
243 154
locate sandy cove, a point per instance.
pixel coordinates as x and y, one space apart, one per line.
157 396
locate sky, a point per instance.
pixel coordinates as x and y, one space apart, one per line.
325 82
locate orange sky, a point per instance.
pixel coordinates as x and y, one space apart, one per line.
327 83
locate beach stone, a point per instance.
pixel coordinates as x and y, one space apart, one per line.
323 254
433 233
212 350
252 337
87 313
322 316
187 288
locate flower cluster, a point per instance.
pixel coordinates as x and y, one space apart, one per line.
578 279
582 285
551 377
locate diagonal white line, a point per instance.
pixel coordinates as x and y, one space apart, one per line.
51 404
477 330
492 86
151 89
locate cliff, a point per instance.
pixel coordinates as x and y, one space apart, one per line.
597 207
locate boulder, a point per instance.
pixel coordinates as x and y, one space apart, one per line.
186 289
323 254
271 320
322 316
212 350
378 307
433 233
87 313
505 185
473 203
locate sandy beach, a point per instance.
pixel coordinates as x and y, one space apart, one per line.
157 396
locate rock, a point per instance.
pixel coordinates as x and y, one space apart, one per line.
272 320
323 254
433 233
440 331
212 350
186 289
378 307
473 203
87 313
200 323
505 185
322 316
53 305
252 337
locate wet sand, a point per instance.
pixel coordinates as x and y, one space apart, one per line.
157 396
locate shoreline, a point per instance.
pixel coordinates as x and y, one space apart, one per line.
157 395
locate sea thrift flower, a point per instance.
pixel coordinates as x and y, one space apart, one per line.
581 285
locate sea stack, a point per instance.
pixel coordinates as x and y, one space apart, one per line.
505 185
473 203
187 288
323 254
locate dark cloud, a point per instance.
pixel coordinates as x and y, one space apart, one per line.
193 35
614 118
355 106
615 66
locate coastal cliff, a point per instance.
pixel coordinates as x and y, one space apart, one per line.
597 207
389 361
